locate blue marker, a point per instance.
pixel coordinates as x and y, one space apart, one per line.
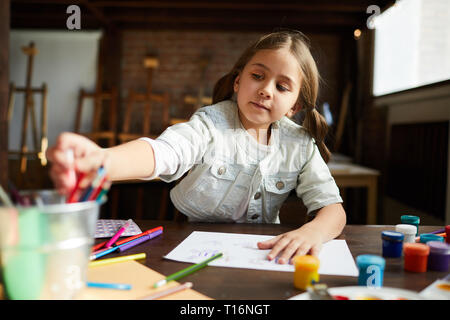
117 286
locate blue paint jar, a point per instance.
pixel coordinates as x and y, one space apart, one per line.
414 220
392 244
371 270
426 237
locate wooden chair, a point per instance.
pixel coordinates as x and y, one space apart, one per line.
97 133
149 99
101 97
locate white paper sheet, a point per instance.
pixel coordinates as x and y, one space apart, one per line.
241 251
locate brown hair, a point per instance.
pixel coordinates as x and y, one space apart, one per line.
298 44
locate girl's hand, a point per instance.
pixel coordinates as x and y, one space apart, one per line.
304 240
87 158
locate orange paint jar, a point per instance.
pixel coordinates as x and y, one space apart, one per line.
416 257
306 271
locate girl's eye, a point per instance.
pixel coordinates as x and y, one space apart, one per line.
257 76
282 88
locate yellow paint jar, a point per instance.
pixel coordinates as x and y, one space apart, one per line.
306 271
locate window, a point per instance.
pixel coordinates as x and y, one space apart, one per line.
412 45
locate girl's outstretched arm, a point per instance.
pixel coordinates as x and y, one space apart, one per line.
328 224
131 160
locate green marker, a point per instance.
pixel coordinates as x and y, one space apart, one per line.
187 271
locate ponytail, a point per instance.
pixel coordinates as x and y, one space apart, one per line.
317 127
223 89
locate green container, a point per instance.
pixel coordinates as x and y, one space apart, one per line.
44 250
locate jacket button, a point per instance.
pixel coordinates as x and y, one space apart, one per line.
255 216
221 170
280 185
257 195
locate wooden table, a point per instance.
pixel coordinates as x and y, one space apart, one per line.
352 175
247 284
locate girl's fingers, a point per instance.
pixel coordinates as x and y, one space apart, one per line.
89 165
280 245
268 244
315 250
288 252
79 143
303 249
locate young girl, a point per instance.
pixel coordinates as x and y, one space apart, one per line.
243 154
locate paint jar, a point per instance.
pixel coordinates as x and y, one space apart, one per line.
306 271
413 220
371 270
439 256
392 244
447 232
409 231
416 257
426 237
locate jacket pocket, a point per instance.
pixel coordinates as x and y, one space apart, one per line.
278 189
219 190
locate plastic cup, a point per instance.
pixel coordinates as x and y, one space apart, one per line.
45 248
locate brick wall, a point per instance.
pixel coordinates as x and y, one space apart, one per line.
178 53
179 74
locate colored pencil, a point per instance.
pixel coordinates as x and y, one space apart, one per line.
102 244
168 291
73 193
102 253
95 183
187 271
15 194
438 231
98 189
117 259
102 285
104 190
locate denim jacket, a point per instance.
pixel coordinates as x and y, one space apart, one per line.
223 176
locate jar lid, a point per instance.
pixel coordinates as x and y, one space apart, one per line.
406 229
410 219
416 249
366 260
425 237
306 262
392 235
439 247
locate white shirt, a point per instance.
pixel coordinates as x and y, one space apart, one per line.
234 178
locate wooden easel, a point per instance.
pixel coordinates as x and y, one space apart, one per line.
29 111
99 96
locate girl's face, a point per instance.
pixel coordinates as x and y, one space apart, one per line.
267 88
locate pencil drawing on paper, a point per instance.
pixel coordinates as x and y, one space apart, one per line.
241 251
